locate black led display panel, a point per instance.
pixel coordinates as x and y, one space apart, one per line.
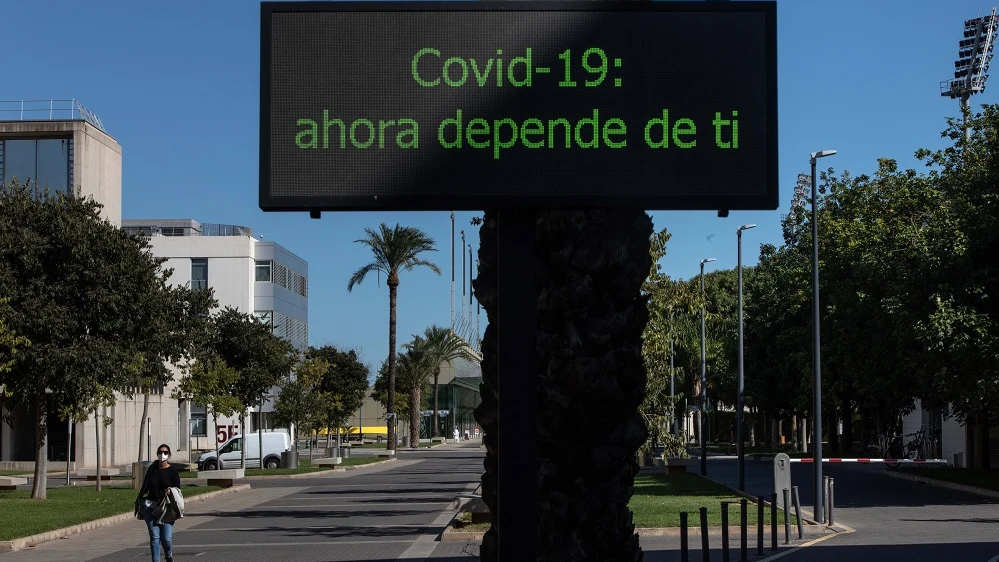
473 105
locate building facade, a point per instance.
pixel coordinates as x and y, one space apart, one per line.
245 273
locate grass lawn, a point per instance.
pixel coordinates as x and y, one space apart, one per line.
658 501
400 445
21 516
464 524
981 478
14 472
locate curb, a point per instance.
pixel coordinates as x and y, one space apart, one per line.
943 484
451 535
35 540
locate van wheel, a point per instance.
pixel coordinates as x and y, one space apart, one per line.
272 463
211 465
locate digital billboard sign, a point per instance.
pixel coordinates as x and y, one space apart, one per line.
473 105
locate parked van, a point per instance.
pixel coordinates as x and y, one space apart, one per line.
275 443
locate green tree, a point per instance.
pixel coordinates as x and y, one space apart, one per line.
416 367
668 300
379 390
394 250
299 402
444 346
591 314
342 386
175 323
260 358
209 380
56 256
10 343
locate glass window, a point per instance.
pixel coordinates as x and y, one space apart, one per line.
199 273
52 165
264 271
265 316
45 162
233 447
19 160
199 425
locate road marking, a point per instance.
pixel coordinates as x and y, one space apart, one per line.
424 545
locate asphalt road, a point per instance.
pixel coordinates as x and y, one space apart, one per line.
893 519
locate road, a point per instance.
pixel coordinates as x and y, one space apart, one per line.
396 511
893 519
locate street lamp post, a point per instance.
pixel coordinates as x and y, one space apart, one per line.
816 341
740 400
704 380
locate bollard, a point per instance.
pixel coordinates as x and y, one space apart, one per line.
705 551
684 555
825 499
760 520
744 548
797 512
829 499
724 514
773 522
787 516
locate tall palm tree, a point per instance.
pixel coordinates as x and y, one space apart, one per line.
445 346
394 250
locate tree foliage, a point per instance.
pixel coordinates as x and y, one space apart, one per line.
76 286
341 385
300 402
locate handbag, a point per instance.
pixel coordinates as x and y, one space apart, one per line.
138 501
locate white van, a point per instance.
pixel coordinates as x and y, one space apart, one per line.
275 443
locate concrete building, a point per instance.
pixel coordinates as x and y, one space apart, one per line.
61 146
246 273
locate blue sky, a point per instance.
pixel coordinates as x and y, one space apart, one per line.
176 83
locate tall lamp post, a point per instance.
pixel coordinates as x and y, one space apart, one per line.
704 380
740 400
816 341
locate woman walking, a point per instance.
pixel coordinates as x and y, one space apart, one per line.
161 476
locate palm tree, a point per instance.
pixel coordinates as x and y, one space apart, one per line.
415 367
590 370
394 249
445 346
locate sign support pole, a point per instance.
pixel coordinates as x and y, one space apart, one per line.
516 520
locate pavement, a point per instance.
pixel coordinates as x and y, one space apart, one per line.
892 519
397 510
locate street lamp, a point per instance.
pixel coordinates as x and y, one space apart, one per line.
704 380
816 340
740 400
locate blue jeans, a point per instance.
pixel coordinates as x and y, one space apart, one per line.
158 534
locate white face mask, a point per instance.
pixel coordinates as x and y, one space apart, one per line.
164 457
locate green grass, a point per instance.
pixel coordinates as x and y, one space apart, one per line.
988 479
659 499
464 524
21 516
14 472
358 461
400 445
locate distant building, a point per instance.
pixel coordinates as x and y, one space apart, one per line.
246 273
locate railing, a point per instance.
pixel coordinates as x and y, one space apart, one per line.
50 110
213 229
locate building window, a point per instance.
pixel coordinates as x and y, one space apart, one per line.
265 316
47 163
263 271
199 273
199 425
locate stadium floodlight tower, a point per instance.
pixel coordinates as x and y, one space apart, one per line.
972 64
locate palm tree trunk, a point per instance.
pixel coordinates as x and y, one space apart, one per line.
142 424
393 285
435 432
590 370
414 416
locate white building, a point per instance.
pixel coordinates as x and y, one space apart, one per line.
246 273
